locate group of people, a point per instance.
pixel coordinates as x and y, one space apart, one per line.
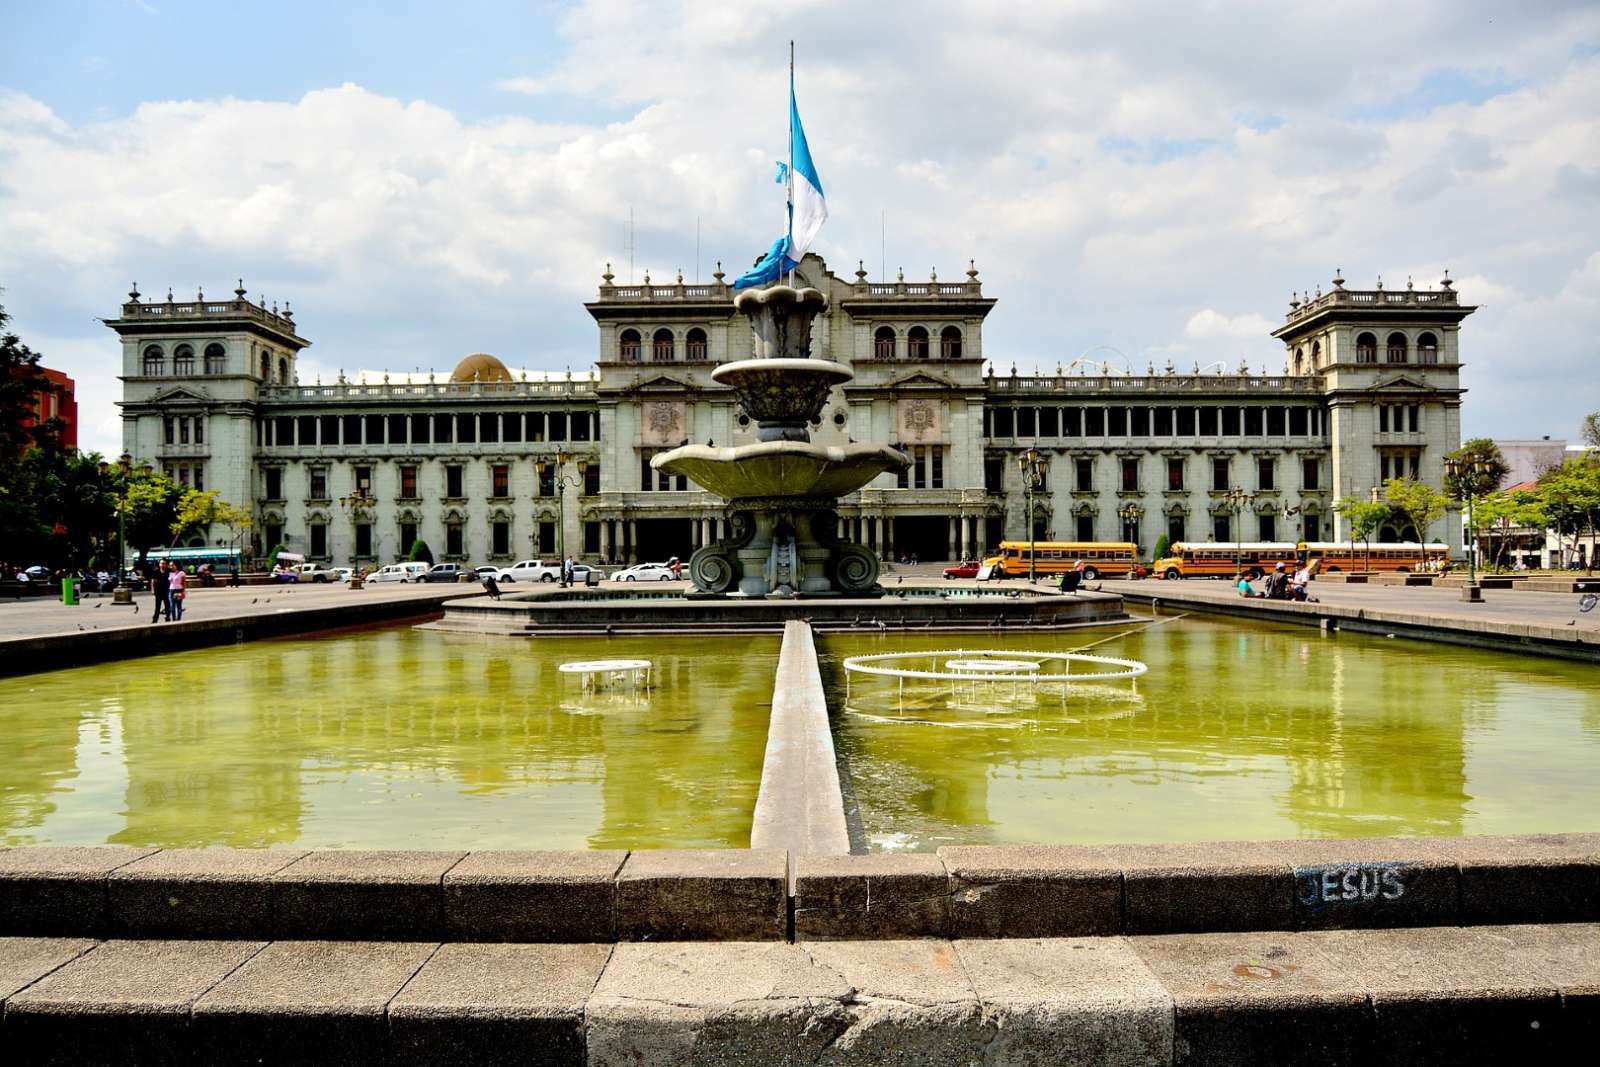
167 583
1280 585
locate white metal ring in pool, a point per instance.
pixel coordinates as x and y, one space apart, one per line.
882 665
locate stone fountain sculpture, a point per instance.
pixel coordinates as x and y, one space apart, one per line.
783 489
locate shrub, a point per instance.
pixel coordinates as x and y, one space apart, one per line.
420 552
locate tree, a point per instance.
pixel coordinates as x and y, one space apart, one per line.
420 552
199 510
1589 429
150 502
1419 504
1570 495
56 507
1491 459
21 381
1365 518
1163 546
1503 512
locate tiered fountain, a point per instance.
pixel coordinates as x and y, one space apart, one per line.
782 490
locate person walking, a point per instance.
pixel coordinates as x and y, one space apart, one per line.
175 584
158 592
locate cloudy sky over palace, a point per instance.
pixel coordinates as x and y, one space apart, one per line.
1150 182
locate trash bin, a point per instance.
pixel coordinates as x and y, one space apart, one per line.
593 579
69 591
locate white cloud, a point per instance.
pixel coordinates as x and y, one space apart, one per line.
407 236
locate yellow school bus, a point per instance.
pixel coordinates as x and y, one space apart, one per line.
1335 556
1211 559
1113 559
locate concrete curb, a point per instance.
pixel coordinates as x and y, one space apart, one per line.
1002 891
1506 994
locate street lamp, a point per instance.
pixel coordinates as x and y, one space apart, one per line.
1032 469
122 592
562 483
355 502
1237 499
1129 514
1466 473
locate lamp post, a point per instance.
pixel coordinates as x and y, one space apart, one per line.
1032 478
355 502
122 593
562 483
1129 513
1466 473
1237 498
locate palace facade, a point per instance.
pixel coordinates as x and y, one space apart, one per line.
486 466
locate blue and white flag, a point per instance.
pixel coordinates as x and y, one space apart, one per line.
807 208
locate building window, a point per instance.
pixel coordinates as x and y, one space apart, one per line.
547 538
628 346
273 531
200 477
591 479
1367 348
363 476
696 344
1049 422
363 539
591 538
1268 527
154 360
421 430
500 478
1086 527
452 481
1396 348
319 483
1174 527
319 539
994 474
408 537
1415 416
216 358
169 430
883 343
950 343
183 360
1220 528
1174 473
1130 475
511 427
467 429
661 346
936 467
1219 475
375 425
501 534
454 541
916 343
1427 348
183 431
274 483
489 428
1252 422
266 368
556 421
283 371
200 429
1027 422
444 428
1313 527
1083 475
408 484
1264 475
1309 471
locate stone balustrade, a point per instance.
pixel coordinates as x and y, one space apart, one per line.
233 309
1157 383
1373 298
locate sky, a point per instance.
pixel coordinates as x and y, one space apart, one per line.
1142 182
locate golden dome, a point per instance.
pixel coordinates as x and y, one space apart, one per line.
480 367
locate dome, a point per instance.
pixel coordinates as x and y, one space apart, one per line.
482 367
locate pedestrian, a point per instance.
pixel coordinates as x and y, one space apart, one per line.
491 586
175 584
677 568
158 592
233 574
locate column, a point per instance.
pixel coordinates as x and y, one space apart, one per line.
877 535
954 542
633 541
965 526
605 539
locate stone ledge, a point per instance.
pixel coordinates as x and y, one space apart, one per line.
704 895
863 897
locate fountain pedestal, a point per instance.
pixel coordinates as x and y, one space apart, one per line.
782 490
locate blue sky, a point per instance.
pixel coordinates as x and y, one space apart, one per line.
424 181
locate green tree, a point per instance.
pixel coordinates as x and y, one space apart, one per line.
1589 429
1419 504
1163 546
200 510
1365 517
420 552
56 506
150 501
1570 495
1501 512
1494 469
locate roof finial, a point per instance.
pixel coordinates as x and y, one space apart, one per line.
718 275
239 292
133 294
1447 283
861 271
1338 277
1408 282
199 295
933 274
972 270
1380 283
607 276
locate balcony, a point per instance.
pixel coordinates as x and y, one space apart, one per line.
1157 384
1374 298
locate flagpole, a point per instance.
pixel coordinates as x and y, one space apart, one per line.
789 187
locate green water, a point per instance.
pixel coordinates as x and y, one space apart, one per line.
1236 732
390 739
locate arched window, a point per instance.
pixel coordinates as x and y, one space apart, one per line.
916 343
154 360
283 371
697 344
1299 361
216 358
629 346
661 346
883 342
1316 354
1367 348
950 343
1427 348
266 367
183 360
1396 348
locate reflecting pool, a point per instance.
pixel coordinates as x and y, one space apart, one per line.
391 738
1238 731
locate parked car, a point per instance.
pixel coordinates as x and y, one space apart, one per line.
530 570
445 572
411 571
644 572
967 568
342 574
315 572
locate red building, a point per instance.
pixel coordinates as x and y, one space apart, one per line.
59 401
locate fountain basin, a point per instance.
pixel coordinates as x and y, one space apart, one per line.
781 468
782 395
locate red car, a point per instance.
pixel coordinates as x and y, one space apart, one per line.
965 569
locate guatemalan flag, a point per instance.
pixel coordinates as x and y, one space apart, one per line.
807 208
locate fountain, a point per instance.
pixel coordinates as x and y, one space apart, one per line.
782 490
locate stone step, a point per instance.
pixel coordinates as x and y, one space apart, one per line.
760 894
1501 994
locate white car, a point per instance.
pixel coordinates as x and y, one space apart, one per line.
399 572
342 574
531 570
644 572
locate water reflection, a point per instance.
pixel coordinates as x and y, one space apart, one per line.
1242 731
389 739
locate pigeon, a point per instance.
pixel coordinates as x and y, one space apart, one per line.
100 605
254 599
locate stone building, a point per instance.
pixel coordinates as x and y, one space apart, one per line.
488 466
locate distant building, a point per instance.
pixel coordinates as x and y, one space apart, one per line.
490 466
58 400
1529 459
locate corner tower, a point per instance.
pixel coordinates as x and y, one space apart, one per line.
1389 363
